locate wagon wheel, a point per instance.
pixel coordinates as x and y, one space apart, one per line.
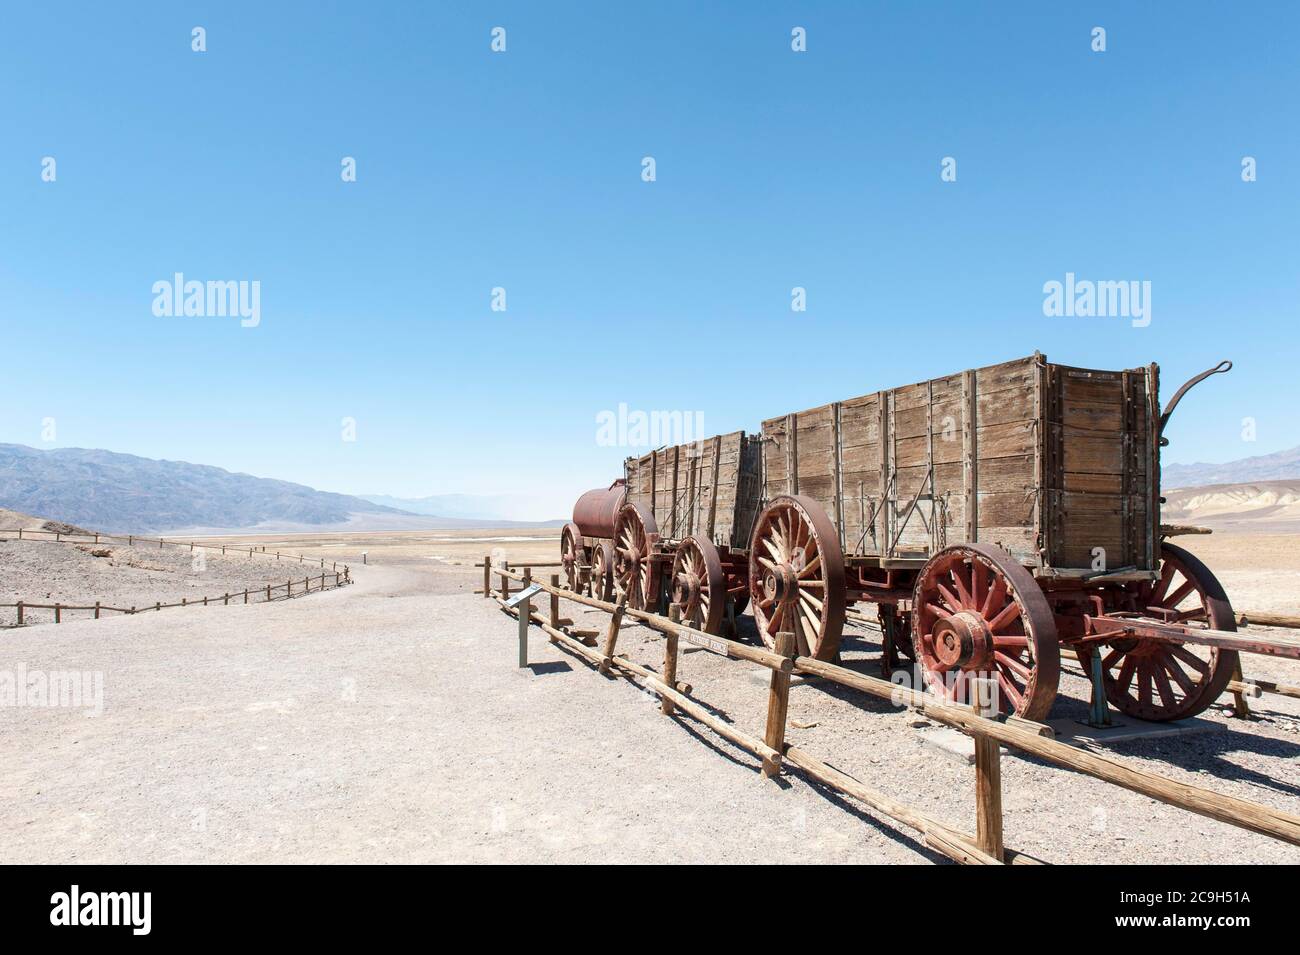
796 576
636 572
571 555
977 612
1159 681
699 584
602 570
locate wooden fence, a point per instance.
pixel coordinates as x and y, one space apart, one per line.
133 540
325 581
987 845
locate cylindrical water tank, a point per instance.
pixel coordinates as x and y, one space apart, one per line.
597 510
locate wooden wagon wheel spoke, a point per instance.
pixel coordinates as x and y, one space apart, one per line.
796 576
993 621
1164 681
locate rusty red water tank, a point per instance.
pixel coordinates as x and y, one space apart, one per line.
597 510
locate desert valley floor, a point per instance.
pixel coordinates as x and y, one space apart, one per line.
387 722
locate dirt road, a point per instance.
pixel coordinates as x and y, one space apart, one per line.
388 722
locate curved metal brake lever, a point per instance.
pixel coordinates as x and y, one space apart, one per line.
1218 369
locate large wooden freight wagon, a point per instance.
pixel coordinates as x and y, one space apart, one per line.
992 515
684 529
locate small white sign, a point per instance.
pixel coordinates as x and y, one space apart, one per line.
712 644
523 595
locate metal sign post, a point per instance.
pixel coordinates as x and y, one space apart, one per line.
523 604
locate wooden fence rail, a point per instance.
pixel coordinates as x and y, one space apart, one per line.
986 845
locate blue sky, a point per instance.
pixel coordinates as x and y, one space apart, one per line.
522 170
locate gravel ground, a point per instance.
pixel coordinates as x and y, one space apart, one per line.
120 575
387 722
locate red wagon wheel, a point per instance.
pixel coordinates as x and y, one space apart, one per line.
602 570
571 555
796 576
977 612
699 584
1159 681
636 571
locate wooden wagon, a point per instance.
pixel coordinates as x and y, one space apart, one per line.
993 516
683 532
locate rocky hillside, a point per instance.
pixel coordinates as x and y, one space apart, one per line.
124 493
1260 507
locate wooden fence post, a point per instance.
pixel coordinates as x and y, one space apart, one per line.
555 604
525 609
778 704
487 576
157 605
58 614
611 635
245 595
20 610
988 772
670 659
268 593
96 609
225 602
505 587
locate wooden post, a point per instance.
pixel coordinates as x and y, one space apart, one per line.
205 601
1240 708
778 704
666 706
157 605
226 601
20 610
245 595
988 773
611 635
555 603
288 588
487 576
96 609
268 593
58 614
505 587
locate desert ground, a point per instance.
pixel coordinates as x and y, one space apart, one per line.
388 722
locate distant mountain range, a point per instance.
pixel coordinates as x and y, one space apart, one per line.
479 507
1281 466
115 493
